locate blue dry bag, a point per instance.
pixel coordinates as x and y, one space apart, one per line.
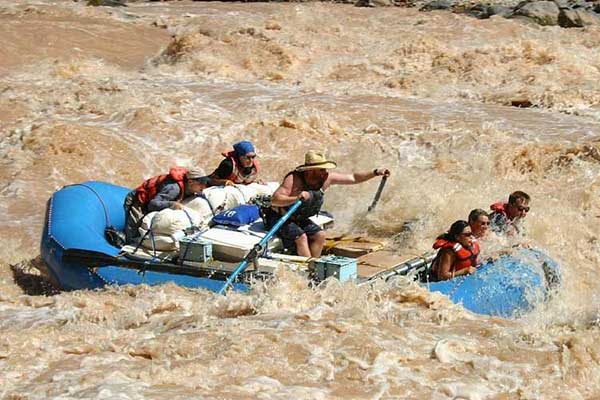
237 216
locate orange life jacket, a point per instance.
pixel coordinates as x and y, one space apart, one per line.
236 173
465 258
150 187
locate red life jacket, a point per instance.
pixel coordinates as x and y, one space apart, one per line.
236 173
465 258
499 207
150 187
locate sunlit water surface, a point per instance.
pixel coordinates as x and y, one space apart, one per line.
120 94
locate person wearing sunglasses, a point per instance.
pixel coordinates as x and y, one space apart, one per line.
506 217
479 221
239 166
457 253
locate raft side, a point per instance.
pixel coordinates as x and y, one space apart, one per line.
76 217
507 287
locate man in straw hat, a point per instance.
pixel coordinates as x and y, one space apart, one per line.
308 183
158 193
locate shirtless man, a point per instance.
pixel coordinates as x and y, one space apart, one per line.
308 183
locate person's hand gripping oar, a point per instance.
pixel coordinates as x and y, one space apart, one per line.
384 173
258 248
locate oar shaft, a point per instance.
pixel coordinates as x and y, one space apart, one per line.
378 193
254 252
402 269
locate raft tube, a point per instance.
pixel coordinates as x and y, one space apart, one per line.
507 287
76 218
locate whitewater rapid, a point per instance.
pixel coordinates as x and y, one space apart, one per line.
121 94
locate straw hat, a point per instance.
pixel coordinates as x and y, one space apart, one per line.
315 160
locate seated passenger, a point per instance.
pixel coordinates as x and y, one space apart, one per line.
240 166
457 252
479 221
308 183
506 217
158 193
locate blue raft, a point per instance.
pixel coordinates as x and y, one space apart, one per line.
506 287
78 215
76 218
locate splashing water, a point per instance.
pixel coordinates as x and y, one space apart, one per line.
120 94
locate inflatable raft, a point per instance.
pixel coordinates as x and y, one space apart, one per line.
78 256
76 218
506 287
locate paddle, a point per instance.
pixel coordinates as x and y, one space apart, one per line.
98 259
378 193
260 245
402 269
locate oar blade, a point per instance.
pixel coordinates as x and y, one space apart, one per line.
378 193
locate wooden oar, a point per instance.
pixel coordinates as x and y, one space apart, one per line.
258 248
378 193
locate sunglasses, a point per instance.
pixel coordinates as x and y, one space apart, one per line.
522 208
468 234
249 157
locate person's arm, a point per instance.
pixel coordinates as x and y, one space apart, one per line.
339 178
465 271
445 265
283 197
220 175
165 198
445 271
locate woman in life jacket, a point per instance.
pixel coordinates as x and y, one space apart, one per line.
457 252
240 166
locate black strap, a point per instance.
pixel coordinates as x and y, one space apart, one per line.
212 210
187 247
149 231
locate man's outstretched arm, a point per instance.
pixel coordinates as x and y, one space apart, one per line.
339 178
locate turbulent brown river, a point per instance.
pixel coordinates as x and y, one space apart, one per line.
121 94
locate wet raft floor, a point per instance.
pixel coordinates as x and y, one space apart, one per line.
371 258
